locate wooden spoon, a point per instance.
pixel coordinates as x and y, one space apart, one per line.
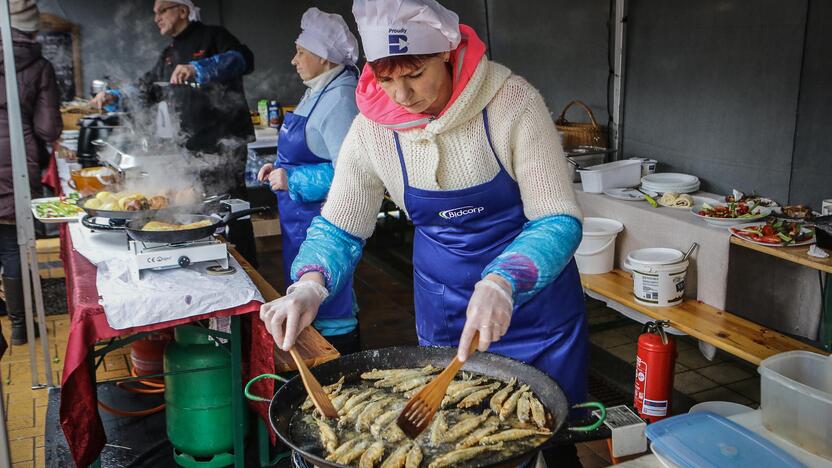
418 412
319 397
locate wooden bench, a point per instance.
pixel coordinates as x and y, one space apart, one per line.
730 333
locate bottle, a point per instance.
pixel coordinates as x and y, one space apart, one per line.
263 110
274 114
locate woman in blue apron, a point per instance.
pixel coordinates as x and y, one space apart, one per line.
308 145
470 152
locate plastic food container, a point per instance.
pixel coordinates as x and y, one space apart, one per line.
596 252
708 440
658 276
796 399
624 173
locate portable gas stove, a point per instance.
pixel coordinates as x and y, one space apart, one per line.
153 256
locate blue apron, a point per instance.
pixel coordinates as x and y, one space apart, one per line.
458 233
296 216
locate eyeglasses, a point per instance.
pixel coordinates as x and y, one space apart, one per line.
164 10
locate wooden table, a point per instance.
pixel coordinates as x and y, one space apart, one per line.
728 332
800 256
313 347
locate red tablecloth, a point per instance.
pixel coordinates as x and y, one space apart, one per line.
79 416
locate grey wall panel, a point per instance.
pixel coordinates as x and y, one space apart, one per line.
118 39
812 166
711 89
270 28
560 46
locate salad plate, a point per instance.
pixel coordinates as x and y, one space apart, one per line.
775 233
729 214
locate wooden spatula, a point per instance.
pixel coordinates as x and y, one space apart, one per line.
319 398
418 412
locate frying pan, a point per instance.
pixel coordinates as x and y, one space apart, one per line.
285 403
134 225
126 215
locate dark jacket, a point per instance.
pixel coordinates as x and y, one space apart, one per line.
214 111
40 109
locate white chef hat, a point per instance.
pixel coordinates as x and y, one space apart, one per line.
327 35
405 27
193 10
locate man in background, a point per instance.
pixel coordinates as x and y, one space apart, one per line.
199 77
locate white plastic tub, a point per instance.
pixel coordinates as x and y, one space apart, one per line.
596 252
658 276
796 399
624 173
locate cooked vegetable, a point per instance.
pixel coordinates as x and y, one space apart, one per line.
62 208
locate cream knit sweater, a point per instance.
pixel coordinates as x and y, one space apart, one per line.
452 153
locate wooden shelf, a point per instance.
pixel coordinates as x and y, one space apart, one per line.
792 254
730 333
313 347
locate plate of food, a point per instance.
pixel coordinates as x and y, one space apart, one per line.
775 233
682 201
730 214
57 209
738 196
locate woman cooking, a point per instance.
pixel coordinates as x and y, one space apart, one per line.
308 145
469 151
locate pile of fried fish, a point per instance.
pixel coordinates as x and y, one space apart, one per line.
480 419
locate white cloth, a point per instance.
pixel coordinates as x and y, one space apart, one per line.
405 27
165 295
24 15
328 36
193 10
160 295
452 153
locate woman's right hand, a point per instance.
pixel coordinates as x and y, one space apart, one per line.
287 316
102 99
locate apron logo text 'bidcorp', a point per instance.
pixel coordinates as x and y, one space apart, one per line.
397 40
461 211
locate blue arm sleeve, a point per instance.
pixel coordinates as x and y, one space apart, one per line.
330 251
537 255
220 67
309 183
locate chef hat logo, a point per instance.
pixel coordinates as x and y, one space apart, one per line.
397 43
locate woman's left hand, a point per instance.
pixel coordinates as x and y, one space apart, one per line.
489 311
278 180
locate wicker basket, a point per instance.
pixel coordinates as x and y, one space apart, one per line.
581 134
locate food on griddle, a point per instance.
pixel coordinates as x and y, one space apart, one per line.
798 211
162 226
126 201
482 418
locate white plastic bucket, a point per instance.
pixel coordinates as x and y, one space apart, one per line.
658 276
596 251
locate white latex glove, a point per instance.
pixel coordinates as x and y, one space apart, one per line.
489 312
278 179
287 316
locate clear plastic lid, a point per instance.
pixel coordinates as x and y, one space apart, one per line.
709 440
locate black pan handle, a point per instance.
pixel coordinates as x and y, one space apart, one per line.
241 214
253 397
99 227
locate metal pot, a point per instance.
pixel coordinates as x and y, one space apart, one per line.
284 405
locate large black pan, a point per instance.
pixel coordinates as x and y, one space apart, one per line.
284 404
134 226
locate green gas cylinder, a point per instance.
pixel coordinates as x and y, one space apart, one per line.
198 404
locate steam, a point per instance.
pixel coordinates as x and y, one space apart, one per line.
170 167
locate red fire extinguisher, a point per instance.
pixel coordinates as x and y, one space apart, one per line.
655 362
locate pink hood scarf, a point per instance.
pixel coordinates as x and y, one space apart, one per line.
375 105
